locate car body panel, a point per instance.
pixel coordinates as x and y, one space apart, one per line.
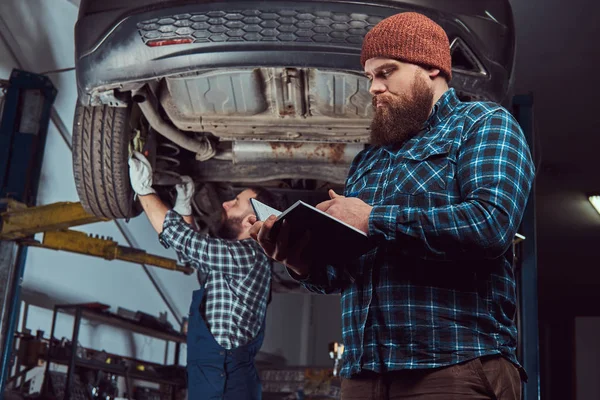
112 37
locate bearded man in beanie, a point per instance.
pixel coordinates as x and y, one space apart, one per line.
429 313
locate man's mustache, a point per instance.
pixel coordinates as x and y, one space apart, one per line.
379 99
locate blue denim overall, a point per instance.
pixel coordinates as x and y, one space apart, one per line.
215 372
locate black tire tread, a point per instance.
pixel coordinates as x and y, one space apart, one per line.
100 153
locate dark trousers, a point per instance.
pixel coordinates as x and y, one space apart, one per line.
482 378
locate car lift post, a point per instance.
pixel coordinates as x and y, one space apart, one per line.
25 114
527 276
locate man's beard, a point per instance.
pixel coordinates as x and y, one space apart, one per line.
401 117
230 228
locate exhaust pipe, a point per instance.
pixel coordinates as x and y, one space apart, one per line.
145 99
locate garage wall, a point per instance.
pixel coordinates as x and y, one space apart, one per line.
40 34
326 327
587 357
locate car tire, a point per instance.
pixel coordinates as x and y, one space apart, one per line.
101 137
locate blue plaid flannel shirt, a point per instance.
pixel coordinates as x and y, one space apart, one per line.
439 288
237 284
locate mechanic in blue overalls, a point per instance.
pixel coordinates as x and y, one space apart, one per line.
227 314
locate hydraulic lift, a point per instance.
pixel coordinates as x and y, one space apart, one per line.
25 109
19 222
26 104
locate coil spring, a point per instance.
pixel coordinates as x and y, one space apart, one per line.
167 164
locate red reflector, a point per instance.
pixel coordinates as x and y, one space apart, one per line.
168 42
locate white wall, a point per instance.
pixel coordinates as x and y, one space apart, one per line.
587 357
40 33
284 331
326 327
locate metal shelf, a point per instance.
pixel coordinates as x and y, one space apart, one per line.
120 322
119 370
97 312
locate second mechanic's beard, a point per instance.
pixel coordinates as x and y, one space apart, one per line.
401 117
230 228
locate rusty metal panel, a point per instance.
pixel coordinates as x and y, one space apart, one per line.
318 153
272 104
219 171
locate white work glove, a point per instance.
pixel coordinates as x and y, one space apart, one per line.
185 192
140 174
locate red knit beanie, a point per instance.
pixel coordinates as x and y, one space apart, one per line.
409 37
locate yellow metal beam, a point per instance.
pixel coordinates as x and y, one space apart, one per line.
81 243
19 221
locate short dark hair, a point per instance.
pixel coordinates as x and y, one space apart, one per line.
269 198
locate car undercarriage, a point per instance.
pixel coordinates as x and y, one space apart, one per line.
243 93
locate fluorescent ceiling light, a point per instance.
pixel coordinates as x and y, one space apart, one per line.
595 200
